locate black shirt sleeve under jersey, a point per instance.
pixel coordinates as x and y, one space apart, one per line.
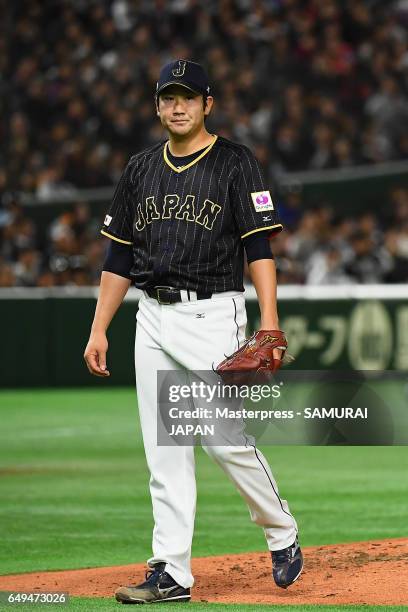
252 203
257 246
118 221
119 259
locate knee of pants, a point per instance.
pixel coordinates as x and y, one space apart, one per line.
220 454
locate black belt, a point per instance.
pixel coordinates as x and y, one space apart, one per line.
171 295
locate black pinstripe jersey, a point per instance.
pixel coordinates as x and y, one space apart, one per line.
186 224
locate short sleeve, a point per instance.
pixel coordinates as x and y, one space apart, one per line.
118 221
252 204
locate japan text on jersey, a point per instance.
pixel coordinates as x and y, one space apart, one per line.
186 224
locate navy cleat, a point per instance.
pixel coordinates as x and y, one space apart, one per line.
287 564
158 587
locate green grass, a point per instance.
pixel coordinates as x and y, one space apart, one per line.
89 604
86 603
74 487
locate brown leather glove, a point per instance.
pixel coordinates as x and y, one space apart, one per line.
254 361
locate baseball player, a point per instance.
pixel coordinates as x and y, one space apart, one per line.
182 214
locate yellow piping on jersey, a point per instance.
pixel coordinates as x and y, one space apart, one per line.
260 229
168 162
114 238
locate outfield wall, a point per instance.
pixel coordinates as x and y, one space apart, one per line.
44 331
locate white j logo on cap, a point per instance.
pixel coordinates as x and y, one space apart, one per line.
179 72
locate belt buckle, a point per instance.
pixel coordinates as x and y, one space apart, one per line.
159 288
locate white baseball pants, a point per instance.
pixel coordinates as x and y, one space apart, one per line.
173 337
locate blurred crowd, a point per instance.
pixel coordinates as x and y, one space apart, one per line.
308 84
321 247
317 247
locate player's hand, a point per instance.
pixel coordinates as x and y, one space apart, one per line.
95 354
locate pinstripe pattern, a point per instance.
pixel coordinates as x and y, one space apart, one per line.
186 224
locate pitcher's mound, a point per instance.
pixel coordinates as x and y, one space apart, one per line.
358 573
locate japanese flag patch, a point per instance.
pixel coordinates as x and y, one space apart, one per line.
262 201
108 219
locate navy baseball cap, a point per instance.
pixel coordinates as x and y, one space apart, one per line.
187 74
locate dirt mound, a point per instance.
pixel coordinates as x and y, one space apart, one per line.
358 573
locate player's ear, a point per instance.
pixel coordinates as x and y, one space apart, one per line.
208 104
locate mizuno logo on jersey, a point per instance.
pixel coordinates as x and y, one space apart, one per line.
172 207
262 201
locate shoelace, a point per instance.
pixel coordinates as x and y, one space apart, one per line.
153 575
280 556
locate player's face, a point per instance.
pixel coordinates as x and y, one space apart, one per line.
182 111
